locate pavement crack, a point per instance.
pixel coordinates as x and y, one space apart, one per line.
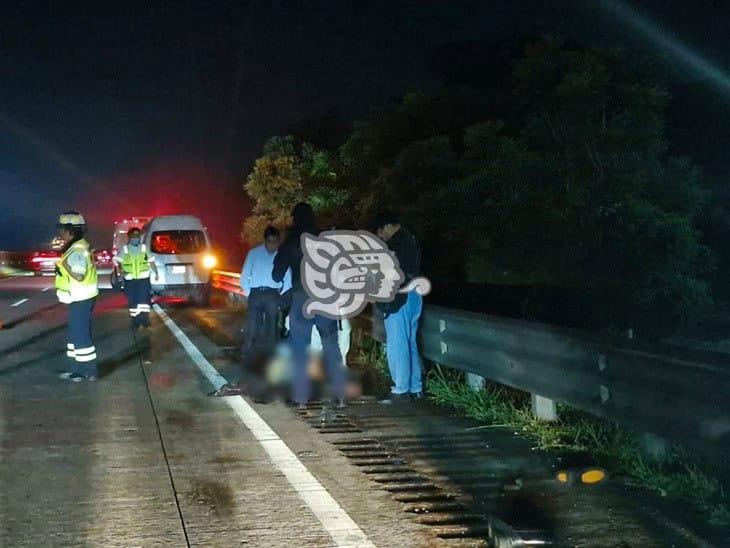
162 441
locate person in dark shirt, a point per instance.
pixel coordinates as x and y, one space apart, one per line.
300 328
402 315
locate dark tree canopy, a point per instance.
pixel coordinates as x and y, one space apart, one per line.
557 175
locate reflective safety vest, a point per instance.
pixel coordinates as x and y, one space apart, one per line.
70 290
136 265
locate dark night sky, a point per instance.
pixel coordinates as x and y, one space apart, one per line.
138 109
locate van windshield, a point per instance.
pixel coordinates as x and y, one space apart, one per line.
174 242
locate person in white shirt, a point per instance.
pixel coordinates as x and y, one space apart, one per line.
263 301
263 295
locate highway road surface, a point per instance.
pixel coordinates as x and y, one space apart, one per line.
145 457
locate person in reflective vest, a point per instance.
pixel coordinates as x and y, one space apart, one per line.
136 265
76 287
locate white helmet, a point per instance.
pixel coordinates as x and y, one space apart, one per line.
71 218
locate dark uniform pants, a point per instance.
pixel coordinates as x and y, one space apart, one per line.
261 317
139 297
80 347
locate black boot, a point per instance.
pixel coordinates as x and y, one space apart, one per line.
396 399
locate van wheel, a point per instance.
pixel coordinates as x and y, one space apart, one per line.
200 296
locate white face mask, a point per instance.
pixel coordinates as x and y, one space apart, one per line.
134 241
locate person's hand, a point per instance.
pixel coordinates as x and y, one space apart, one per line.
157 276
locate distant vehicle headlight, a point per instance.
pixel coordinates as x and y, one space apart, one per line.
209 261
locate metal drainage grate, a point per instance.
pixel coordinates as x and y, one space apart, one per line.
327 420
403 466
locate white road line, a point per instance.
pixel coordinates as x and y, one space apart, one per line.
21 301
46 288
340 526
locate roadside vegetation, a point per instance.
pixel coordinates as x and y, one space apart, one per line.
680 476
618 450
555 172
371 363
553 169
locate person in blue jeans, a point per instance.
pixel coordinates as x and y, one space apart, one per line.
289 258
402 315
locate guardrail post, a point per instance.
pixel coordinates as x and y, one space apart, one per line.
475 382
544 408
654 447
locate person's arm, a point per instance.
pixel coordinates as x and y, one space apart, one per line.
286 282
75 265
246 273
77 277
282 262
153 268
117 262
409 256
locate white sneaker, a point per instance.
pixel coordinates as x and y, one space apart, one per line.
69 376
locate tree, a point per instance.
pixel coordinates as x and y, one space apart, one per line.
557 177
276 185
575 189
376 144
289 172
509 216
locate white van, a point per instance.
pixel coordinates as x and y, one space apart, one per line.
183 255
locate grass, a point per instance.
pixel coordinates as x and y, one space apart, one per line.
370 359
372 354
681 475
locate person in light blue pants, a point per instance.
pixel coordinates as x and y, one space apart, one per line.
401 315
404 361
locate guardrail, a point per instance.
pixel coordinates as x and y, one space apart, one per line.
230 282
674 393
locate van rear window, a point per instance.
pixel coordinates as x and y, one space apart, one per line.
176 242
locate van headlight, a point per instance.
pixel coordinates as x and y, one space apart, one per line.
209 261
